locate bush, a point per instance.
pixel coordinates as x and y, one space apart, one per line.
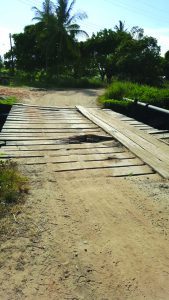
8 100
144 93
12 184
42 79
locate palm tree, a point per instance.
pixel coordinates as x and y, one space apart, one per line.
66 21
120 27
67 27
60 26
45 18
46 12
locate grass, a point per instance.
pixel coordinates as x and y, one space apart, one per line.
13 187
9 100
113 97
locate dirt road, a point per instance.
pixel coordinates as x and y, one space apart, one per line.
82 235
64 98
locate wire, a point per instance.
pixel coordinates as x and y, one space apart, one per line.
136 10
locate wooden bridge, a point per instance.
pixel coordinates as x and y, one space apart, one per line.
77 138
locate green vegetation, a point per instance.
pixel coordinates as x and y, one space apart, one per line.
8 101
43 80
12 184
118 90
49 54
13 187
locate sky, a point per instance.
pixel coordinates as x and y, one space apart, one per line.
151 15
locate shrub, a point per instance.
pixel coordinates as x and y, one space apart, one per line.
12 184
8 101
144 93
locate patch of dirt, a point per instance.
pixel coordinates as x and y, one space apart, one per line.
88 237
20 93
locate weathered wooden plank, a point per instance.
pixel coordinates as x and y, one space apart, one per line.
111 158
68 164
64 152
18 123
133 139
46 136
161 135
108 172
106 144
53 131
53 126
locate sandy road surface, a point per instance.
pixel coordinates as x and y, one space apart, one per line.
65 98
86 236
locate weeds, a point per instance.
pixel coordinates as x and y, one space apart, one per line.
13 186
9 100
115 93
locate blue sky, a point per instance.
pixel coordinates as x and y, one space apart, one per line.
151 15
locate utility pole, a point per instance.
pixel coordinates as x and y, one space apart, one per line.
12 56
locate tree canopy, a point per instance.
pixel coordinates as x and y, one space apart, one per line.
51 45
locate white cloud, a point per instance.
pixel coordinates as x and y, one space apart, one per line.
162 35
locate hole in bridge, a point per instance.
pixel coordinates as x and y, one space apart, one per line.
88 138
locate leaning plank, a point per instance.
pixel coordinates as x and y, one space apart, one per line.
134 143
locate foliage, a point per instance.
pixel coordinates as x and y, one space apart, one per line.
43 79
12 184
144 93
50 49
8 101
1 63
51 43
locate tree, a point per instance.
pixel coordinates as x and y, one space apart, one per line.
137 32
1 63
28 55
47 31
120 27
166 65
58 31
139 60
102 47
68 29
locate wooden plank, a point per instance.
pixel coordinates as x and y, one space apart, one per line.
133 139
147 141
18 123
63 152
106 144
24 106
27 130
161 135
66 164
53 126
46 136
73 158
109 172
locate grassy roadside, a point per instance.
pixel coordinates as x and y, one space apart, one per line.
13 185
8 101
113 97
13 188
